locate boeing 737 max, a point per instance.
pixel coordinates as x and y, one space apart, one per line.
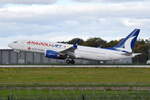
70 52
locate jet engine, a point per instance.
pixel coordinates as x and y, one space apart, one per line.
54 54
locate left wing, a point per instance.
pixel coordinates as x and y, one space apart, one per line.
70 51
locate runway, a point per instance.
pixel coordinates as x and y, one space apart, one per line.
78 66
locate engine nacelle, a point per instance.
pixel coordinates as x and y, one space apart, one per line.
52 54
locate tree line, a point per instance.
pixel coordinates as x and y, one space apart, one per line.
142 46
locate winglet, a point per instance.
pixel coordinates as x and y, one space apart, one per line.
75 45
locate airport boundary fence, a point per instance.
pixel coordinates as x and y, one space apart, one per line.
8 56
78 97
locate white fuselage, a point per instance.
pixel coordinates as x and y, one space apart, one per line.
82 52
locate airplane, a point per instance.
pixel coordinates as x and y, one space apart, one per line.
70 52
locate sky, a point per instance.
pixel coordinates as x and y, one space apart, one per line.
62 20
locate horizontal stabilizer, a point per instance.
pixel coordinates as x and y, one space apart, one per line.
136 54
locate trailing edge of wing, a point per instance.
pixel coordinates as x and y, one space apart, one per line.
71 49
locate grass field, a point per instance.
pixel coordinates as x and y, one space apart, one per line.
74 77
72 95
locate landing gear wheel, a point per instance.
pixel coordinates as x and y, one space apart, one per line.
70 61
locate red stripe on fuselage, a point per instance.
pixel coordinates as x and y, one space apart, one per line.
38 43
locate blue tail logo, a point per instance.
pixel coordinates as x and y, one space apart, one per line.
128 43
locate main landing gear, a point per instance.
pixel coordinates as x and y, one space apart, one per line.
70 61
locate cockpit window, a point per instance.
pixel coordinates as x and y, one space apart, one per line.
15 42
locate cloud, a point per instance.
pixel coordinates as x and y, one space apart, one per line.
36 13
27 1
51 37
108 0
64 22
136 22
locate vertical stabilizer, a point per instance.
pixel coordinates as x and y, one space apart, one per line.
128 43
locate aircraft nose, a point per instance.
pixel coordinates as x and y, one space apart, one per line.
10 45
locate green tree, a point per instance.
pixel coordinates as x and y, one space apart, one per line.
111 43
95 42
75 40
141 47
